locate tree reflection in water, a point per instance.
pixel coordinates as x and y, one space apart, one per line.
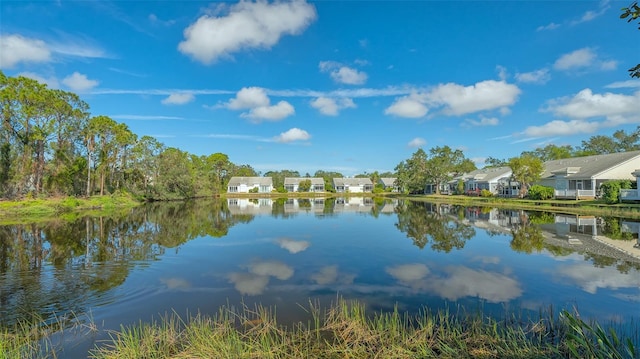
427 222
92 255
527 237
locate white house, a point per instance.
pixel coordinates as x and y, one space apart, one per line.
291 184
580 177
245 184
497 180
388 183
353 185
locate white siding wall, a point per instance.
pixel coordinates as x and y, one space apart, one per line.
621 172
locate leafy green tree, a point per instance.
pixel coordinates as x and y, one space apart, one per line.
551 152
304 186
445 164
494 162
620 141
526 170
279 176
328 177
412 172
632 13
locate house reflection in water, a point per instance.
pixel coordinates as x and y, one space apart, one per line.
567 224
252 206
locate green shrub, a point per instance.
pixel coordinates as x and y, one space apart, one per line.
611 190
253 190
538 192
486 193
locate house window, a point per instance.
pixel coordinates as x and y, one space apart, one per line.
233 189
264 189
289 188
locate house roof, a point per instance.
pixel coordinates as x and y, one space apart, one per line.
489 174
388 181
352 181
588 166
260 181
297 180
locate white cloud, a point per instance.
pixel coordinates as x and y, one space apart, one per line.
502 72
294 134
609 65
588 113
330 106
590 15
247 25
249 97
586 104
178 99
484 121
343 74
624 84
417 142
562 128
271 113
51 82
541 76
579 58
293 246
15 49
485 95
255 99
411 106
457 99
550 26
79 82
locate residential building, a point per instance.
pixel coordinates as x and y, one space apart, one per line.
581 177
352 185
291 184
246 184
389 183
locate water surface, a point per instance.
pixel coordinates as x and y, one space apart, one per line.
196 256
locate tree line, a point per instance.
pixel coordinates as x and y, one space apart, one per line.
50 145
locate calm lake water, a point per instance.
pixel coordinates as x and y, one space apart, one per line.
191 257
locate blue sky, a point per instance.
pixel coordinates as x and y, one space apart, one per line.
348 86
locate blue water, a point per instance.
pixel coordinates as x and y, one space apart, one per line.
200 256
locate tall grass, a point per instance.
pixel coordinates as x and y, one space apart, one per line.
347 330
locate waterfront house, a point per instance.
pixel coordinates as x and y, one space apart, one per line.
496 180
352 185
581 177
246 184
291 184
388 183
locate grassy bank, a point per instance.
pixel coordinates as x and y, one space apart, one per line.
347 330
33 210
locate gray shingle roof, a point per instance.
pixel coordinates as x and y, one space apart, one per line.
352 181
297 180
490 174
388 181
588 166
261 181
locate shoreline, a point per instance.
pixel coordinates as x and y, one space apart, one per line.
30 210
